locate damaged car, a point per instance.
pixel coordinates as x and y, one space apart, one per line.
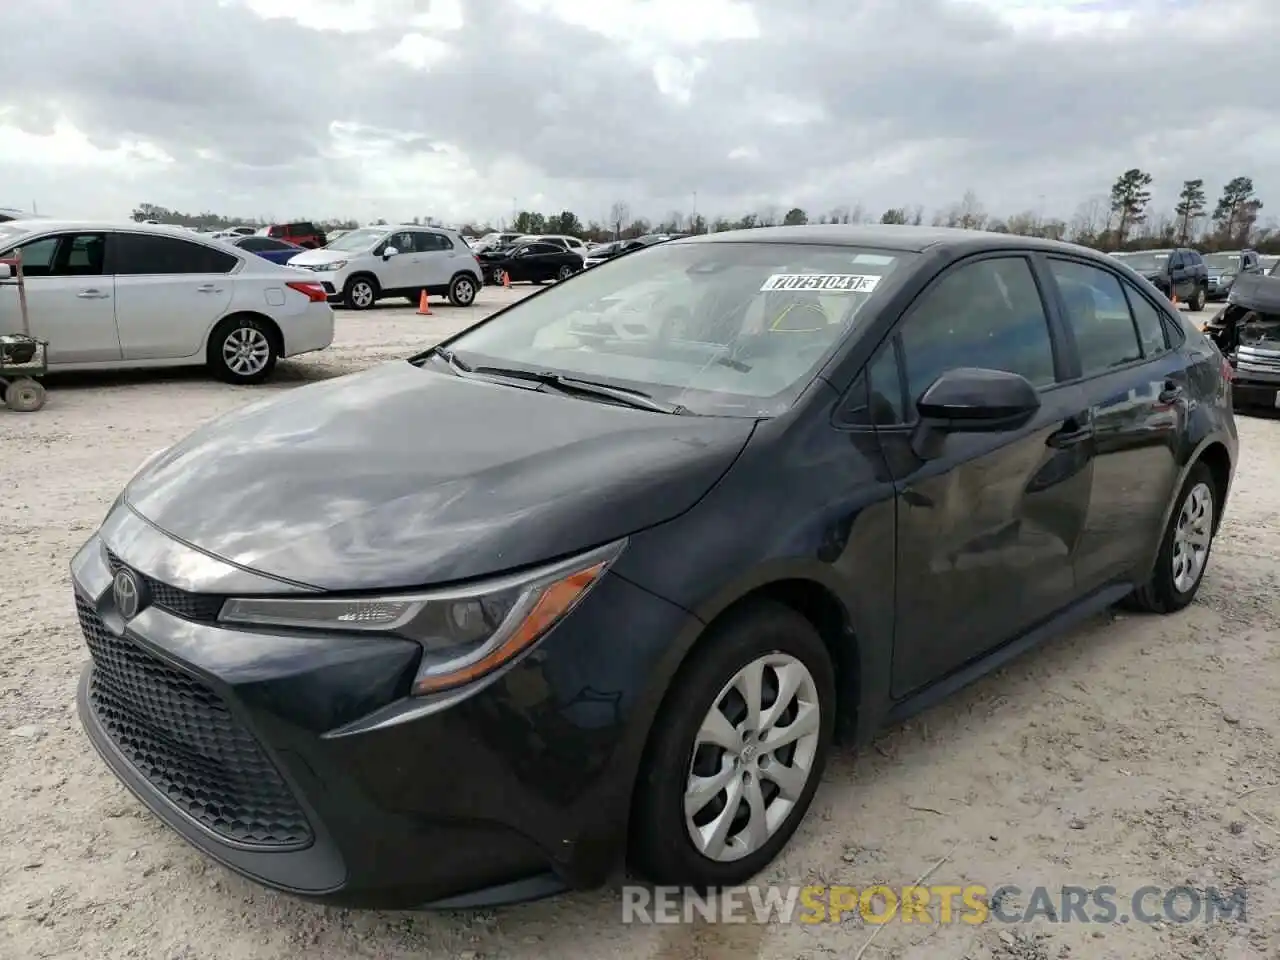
1247 331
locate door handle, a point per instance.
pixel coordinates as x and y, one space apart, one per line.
1171 392
208 288
1074 431
92 294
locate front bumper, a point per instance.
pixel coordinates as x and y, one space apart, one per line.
297 760
1219 289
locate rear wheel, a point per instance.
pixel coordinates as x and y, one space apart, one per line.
1184 551
1198 299
564 273
736 752
462 290
242 350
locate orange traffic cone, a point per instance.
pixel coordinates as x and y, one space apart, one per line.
424 308
506 279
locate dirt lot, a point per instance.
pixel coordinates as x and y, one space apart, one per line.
1123 754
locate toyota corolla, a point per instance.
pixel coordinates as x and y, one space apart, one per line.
493 621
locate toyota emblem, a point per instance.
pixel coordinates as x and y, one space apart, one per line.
128 594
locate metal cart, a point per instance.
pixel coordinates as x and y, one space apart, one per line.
23 358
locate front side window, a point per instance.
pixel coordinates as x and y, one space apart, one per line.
1098 314
141 254
64 255
986 314
730 329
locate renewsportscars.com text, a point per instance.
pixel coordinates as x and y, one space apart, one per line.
934 904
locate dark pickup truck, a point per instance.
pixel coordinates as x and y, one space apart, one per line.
1179 272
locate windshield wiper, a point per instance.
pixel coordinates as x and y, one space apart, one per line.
557 381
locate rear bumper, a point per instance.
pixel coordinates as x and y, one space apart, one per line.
310 330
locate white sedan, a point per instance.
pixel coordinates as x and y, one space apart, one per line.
108 296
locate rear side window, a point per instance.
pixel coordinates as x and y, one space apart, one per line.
254 244
1098 314
984 314
301 229
140 254
1152 334
431 242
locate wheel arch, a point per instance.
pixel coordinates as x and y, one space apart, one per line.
273 329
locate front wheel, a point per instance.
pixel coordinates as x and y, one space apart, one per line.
1184 551
564 273
242 350
736 752
360 293
462 290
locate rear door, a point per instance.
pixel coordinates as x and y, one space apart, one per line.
1136 390
437 255
70 300
169 293
987 529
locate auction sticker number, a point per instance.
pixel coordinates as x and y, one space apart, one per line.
821 282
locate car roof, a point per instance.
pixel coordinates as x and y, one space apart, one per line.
907 239
132 226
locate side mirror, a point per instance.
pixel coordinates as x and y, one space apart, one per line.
388 253
972 400
6 271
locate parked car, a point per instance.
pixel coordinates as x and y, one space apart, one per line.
602 252
491 241
538 262
563 241
304 233
12 213
1180 271
1268 264
365 265
141 295
277 251
1225 266
622 596
333 235
1247 331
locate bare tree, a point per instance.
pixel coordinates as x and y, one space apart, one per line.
1090 219
619 217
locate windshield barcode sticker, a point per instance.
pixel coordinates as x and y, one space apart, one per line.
821 282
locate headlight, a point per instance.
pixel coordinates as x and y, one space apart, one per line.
465 632
329 267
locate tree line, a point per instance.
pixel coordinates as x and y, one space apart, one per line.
1122 219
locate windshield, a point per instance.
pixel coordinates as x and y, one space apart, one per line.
356 240
727 329
1223 261
1146 262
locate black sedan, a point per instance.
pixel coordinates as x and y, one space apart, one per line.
529 262
479 626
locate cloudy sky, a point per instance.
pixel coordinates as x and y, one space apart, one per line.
462 110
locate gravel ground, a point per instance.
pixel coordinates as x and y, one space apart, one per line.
1123 754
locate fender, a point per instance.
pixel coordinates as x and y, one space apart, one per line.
1217 436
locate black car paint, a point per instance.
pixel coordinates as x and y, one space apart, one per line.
550 476
541 758
523 264
1186 281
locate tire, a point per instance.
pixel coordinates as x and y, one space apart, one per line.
360 293
24 395
662 846
1198 300
496 277
462 290
1165 592
243 350
564 273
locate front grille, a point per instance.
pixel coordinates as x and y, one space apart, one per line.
180 736
190 606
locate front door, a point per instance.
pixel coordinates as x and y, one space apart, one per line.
987 528
169 293
70 302
403 271
1136 389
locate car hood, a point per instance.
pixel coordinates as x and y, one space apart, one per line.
403 476
321 255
